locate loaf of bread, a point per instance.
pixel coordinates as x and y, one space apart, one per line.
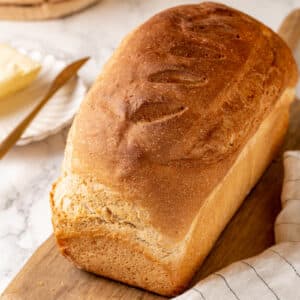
174 133
40 9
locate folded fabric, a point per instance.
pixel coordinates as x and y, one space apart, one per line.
275 273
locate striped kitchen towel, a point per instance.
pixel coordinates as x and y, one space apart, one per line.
275 273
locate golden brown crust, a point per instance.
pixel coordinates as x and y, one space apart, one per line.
175 132
175 106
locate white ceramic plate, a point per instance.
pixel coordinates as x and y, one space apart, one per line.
56 114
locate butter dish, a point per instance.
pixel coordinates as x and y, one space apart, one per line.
57 113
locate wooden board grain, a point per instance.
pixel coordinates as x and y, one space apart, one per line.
49 276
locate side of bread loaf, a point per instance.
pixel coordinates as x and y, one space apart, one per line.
175 132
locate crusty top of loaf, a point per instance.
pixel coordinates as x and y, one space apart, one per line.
174 107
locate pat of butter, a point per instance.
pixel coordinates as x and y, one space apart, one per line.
17 71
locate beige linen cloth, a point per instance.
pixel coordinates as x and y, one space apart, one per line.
275 273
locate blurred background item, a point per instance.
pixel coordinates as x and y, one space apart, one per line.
40 9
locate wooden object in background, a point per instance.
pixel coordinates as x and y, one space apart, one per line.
40 9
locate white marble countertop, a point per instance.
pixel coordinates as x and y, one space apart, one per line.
27 172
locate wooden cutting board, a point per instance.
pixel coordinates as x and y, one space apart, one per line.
49 276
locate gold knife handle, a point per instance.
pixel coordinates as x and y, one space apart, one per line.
63 77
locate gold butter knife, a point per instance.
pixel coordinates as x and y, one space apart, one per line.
63 77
